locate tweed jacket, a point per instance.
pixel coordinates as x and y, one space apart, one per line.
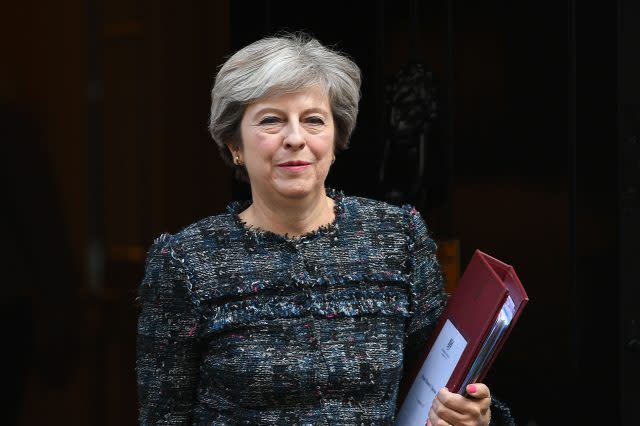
244 326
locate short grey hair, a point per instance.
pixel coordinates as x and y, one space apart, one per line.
282 64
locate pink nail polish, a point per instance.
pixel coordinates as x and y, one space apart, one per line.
427 423
472 389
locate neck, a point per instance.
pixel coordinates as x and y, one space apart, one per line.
293 217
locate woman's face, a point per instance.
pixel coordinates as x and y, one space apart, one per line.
287 144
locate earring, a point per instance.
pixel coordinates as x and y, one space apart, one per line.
237 161
333 160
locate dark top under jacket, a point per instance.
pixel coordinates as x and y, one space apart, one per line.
244 326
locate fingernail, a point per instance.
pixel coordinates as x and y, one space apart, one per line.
471 389
427 423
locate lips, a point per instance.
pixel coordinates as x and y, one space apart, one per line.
294 164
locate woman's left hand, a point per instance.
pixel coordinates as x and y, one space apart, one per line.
453 409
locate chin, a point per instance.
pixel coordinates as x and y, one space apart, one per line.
298 189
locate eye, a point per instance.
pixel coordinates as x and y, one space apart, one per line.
315 120
270 119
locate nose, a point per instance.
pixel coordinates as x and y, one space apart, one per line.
294 137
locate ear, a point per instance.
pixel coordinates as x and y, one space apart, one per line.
234 150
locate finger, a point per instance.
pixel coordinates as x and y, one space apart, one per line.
478 390
450 399
462 409
433 418
479 396
447 414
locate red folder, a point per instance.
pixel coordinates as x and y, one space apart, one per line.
473 309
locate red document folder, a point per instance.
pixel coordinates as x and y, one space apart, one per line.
473 309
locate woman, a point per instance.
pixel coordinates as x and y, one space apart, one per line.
302 306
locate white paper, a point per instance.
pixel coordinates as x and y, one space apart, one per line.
434 374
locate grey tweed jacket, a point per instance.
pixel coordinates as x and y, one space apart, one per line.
243 326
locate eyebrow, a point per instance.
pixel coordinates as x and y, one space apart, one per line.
279 111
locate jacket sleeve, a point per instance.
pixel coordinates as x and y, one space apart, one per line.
167 356
428 300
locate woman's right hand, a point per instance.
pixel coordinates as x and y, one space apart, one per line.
450 408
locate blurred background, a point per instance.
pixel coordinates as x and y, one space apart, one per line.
522 140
